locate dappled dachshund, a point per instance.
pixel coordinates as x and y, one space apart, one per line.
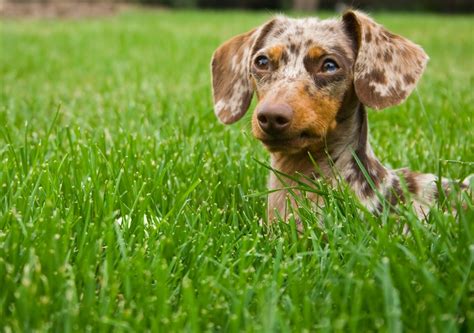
313 79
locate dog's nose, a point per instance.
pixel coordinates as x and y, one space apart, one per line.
274 118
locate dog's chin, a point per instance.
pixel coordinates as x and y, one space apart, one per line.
289 145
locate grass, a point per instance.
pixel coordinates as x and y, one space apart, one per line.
126 206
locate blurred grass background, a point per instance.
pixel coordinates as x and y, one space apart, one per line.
125 205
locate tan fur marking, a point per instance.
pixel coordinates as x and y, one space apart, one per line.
317 114
275 53
316 52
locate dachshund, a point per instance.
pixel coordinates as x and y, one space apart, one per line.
314 79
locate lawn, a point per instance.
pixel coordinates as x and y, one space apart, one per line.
126 206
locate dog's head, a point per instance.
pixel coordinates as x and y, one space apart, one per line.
305 72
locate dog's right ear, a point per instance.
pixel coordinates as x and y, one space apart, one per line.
232 88
387 66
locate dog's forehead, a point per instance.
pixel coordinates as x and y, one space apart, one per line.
298 33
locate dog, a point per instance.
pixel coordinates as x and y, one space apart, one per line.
313 80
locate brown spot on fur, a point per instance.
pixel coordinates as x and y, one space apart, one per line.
408 79
412 184
368 36
292 48
284 57
377 76
387 56
395 194
366 189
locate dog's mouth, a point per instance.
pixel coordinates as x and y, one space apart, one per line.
300 141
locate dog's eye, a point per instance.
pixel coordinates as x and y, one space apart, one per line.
262 62
329 66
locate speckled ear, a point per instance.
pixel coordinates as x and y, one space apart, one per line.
387 67
232 88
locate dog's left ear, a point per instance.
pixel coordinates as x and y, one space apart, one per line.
232 88
387 66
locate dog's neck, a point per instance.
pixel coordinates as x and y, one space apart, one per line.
336 154
346 154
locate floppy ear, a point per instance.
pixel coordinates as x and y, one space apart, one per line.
232 87
387 66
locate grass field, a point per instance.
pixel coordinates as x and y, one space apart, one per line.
126 206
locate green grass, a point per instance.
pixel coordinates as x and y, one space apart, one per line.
111 119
